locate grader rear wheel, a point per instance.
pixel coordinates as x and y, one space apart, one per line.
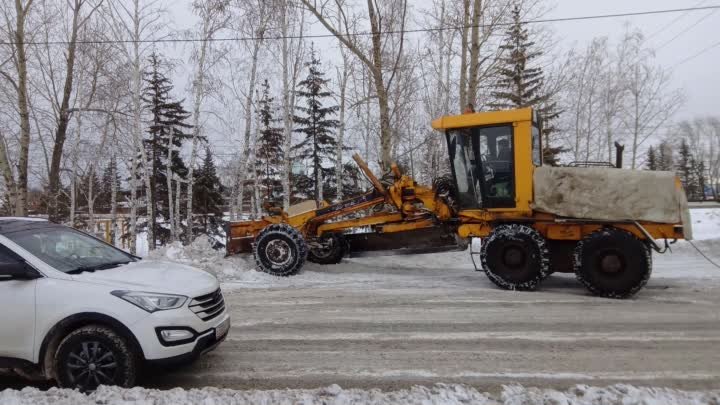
515 257
280 250
613 263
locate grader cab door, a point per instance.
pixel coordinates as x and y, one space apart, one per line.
492 157
482 160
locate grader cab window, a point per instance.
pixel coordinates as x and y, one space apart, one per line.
536 146
483 165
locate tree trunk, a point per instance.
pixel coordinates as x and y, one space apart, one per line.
288 100
473 75
248 125
113 200
199 88
464 55
63 120
178 193
342 80
168 180
21 186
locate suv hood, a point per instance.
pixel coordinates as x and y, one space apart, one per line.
155 276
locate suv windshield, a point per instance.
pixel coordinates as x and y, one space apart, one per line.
68 250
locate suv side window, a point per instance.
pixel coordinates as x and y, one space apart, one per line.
8 256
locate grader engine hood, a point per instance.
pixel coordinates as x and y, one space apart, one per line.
612 195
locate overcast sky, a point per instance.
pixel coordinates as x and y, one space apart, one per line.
676 37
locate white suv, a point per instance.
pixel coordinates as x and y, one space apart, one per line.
85 313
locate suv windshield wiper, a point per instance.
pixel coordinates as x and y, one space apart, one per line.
91 269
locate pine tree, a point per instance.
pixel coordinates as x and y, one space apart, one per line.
165 134
208 191
319 144
522 85
651 163
270 152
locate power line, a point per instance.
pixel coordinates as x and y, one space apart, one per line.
688 59
688 28
367 33
676 19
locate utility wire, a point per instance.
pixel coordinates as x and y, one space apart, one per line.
688 59
367 33
671 23
688 28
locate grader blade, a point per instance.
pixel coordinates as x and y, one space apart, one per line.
420 241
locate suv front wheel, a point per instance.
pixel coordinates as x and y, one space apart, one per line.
92 356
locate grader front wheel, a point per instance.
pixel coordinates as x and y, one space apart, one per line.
515 257
280 250
612 263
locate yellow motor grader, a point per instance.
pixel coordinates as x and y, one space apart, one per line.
599 223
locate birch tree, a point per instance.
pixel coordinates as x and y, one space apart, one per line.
292 24
215 17
17 184
255 22
381 65
134 25
81 12
651 100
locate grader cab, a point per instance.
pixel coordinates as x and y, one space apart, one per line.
599 223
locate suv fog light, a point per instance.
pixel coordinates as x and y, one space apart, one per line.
175 335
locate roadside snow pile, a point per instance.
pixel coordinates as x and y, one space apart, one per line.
705 223
440 394
201 255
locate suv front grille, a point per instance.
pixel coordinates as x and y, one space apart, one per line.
208 306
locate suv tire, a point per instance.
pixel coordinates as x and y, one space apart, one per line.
95 355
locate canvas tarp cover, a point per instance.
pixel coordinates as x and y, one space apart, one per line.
610 194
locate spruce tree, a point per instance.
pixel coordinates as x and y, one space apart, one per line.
208 191
166 132
651 163
315 124
521 83
700 176
110 175
270 153
686 171
665 159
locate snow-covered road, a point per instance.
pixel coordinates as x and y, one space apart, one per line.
394 322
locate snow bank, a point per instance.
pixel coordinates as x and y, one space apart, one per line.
705 223
200 254
440 394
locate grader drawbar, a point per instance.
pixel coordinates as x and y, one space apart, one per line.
600 223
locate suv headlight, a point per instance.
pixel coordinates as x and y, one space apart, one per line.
151 302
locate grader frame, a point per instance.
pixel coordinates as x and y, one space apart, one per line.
521 246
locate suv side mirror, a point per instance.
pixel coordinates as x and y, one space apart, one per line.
17 271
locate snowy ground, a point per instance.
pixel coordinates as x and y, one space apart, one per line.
334 395
400 322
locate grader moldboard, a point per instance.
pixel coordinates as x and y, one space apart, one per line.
490 195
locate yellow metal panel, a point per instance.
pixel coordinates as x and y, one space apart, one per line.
358 222
524 168
482 118
480 230
406 226
564 232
